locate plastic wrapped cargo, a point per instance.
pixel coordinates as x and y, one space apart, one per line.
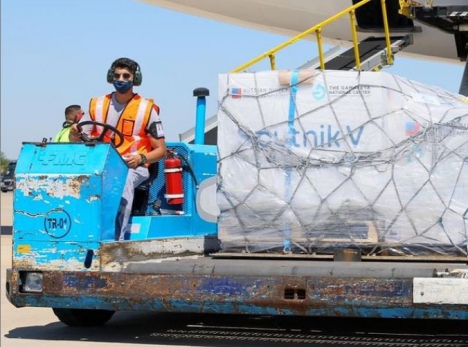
312 161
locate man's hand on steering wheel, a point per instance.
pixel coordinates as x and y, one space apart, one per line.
76 133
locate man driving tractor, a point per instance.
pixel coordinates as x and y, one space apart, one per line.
132 124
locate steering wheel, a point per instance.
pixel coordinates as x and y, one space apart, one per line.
100 138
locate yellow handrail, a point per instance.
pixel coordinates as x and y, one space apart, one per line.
357 57
387 33
318 31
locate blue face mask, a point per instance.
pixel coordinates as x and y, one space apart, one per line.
122 86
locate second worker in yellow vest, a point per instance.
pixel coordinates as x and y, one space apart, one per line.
137 119
73 114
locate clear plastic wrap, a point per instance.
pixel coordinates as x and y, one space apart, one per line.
312 161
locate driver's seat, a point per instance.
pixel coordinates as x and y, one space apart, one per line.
140 200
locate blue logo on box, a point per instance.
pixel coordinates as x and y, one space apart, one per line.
319 91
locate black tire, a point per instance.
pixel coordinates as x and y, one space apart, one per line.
75 317
4 190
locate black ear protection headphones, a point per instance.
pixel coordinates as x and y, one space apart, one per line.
137 76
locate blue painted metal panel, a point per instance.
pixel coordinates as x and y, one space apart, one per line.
171 226
139 228
39 215
66 198
161 227
200 121
57 255
203 161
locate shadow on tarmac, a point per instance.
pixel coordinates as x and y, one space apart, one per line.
249 331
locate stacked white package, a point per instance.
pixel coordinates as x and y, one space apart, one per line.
310 161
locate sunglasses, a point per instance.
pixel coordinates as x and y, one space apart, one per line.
126 76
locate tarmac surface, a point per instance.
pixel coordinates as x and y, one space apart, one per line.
7 212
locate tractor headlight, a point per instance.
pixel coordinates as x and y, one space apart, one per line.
32 282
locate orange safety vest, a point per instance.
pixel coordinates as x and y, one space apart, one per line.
132 122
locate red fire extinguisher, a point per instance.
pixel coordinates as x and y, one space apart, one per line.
173 172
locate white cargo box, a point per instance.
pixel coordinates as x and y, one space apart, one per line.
310 161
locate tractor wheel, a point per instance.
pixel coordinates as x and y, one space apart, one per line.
75 317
